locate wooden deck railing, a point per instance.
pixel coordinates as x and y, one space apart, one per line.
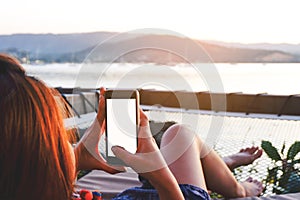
85 100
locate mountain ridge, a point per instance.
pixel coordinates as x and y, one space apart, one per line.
285 47
74 47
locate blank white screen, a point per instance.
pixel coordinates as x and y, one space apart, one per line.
121 124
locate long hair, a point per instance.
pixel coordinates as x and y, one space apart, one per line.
35 154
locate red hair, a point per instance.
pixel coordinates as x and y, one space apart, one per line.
35 157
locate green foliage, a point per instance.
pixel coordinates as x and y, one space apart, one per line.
283 175
82 173
293 151
215 195
270 150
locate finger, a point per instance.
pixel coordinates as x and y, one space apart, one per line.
101 106
144 129
103 165
122 154
144 121
102 90
101 95
103 127
112 169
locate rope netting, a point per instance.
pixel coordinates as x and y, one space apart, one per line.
239 132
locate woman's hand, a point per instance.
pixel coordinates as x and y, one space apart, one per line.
149 162
86 151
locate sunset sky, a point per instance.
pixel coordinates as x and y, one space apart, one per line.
246 21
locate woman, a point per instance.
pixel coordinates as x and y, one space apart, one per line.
38 162
36 158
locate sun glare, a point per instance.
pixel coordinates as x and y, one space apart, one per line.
232 20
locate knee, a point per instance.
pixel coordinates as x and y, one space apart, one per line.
176 130
179 141
181 133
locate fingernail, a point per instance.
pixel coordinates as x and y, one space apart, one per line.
117 146
114 148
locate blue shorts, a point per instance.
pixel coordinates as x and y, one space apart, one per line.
189 192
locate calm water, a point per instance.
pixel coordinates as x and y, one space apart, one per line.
247 78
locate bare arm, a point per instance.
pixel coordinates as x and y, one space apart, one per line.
149 163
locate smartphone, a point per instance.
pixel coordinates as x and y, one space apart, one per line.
122 122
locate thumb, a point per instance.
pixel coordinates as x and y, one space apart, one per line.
122 154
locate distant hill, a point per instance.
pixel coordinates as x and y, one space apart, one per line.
50 47
75 48
285 47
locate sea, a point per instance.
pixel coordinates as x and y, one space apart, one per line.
250 78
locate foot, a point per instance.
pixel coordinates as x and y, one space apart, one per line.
244 157
252 187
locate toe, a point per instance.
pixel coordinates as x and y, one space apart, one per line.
249 179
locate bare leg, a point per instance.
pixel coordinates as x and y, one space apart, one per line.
182 149
181 152
244 157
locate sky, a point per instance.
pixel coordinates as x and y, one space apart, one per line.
244 21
